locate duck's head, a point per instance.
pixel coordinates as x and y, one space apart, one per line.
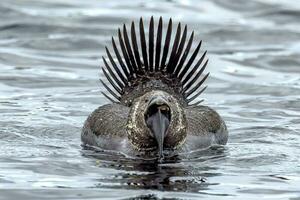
156 122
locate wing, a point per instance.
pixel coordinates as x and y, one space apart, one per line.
106 127
205 128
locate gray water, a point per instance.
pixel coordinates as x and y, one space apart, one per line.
49 68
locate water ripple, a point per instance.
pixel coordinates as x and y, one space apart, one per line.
49 64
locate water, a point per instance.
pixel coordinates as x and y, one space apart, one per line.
49 68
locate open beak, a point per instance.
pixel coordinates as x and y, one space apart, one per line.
158 119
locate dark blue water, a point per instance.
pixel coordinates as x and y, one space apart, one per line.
49 68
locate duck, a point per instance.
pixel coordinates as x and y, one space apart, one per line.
153 84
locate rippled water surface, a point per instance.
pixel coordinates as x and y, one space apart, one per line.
49 68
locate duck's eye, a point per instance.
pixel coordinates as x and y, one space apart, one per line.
146 100
170 99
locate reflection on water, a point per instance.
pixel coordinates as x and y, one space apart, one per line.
49 64
177 173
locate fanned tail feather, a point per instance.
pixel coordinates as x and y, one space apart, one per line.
133 64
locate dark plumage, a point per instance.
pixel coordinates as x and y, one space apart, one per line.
152 90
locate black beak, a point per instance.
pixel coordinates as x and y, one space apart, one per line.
158 119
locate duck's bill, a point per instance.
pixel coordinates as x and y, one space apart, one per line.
158 120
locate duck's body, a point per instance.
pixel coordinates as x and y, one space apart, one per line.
152 111
106 128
